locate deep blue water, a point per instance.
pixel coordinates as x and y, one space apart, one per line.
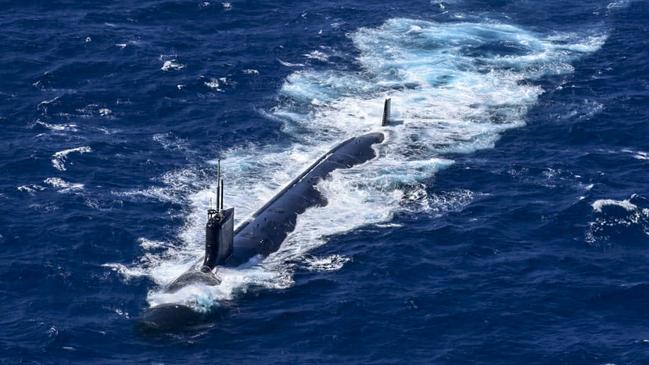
506 221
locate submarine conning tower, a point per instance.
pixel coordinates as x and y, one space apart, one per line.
219 230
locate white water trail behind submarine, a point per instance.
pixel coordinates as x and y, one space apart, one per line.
457 87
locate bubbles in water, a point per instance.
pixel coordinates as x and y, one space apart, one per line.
455 86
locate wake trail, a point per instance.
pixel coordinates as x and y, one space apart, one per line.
456 86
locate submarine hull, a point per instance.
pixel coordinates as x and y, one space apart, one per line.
265 230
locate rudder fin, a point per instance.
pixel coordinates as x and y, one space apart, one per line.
387 108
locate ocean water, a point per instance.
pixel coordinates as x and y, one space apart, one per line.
504 221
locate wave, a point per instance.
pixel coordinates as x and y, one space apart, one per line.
598 205
317 55
618 4
456 86
638 155
329 263
619 221
289 64
170 65
59 158
32 188
62 185
59 127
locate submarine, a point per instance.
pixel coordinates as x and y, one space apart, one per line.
263 232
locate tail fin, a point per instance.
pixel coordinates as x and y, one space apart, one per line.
386 112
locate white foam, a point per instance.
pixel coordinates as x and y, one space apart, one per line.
598 231
451 201
122 313
43 104
213 84
329 263
451 98
147 244
59 158
59 127
32 188
170 65
618 4
176 185
317 55
414 29
641 156
626 204
289 64
127 272
638 155
25 189
171 143
92 110
62 185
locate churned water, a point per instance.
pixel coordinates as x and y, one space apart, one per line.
504 221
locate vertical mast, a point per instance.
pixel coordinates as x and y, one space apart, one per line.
221 188
218 186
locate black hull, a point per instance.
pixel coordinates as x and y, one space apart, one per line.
265 230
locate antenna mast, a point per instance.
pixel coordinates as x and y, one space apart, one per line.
221 198
219 182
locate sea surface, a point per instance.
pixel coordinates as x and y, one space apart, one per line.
504 221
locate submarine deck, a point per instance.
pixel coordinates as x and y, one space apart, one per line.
265 230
